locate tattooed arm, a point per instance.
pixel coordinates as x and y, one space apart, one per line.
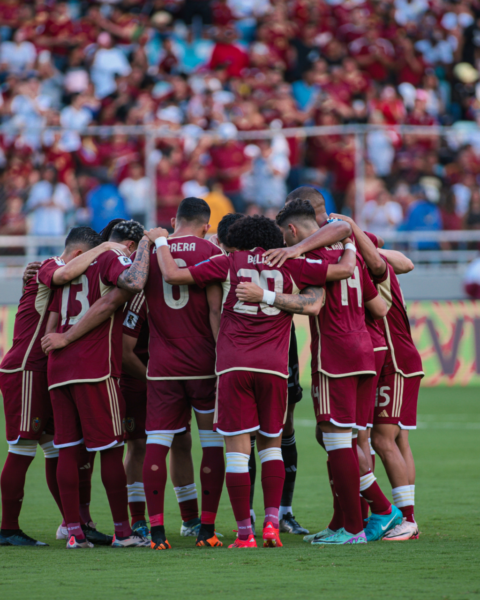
308 302
135 278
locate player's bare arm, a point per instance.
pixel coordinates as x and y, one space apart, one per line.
52 323
131 364
326 236
135 278
172 273
30 271
401 264
308 302
366 247
99 312
377 307
345 267
214 299
80 263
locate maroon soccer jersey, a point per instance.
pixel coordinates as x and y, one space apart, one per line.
97 355
405 358
135 325
181 344
26 353
256 337
341 344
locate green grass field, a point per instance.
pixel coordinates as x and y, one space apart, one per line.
444 563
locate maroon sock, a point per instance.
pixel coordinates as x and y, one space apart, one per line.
407 512
68 483
85 482
365 508
273 478
155 479
51 465
12 483
188 509
137 512
337 519
212 476
115 483
238 486
377 500
346 479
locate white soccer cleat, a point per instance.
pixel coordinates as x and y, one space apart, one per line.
190 528
74 544
62 533
402 532
133 541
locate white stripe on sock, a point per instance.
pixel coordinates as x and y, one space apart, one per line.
336 441
237 462
49 450
366 481
136 492
186 492
270 454
210 439
372 451
163 439
24 448
402 496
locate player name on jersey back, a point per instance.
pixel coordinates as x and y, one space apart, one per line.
98 354
255 337
181 344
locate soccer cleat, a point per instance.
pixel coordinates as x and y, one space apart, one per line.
159 538
318 536
3 541
342 537
402 532
141 528
206 539
62 532
132 541
271 536
74 544
190 528
380 525
96 537
250 543
22 539
288 524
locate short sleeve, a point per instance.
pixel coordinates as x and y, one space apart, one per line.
55 302
47 270
308 271
384 276
115 264
212 270
369 290
136 315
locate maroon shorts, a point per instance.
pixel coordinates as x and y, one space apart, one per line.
335 399
396 401
90 412
27 405
367 390
250 401
135 412
170 403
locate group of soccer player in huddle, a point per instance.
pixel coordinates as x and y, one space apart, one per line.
116 341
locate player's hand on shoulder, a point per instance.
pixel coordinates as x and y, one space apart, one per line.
248 291
277 256
30 271
53 341
155 233
341 218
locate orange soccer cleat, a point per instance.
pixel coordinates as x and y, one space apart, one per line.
250 543
203 541
271 537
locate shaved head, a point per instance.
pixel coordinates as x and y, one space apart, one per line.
306 192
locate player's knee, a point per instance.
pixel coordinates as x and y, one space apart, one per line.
24 448
381 443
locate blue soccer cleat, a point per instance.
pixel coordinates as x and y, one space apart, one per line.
22 539
341 537
379 525
141 528
3 541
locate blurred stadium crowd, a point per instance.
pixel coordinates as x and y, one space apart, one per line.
238 65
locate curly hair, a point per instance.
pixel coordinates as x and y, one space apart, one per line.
107 230
225 224
296 209
127 230
254 232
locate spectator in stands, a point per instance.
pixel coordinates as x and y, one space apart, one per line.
381 214
49 203
76 116
424 214
13 221
108 63
135 190
19 55
105 203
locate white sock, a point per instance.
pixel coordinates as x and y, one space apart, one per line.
237 462
403 496
186 492
136 492
336 441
